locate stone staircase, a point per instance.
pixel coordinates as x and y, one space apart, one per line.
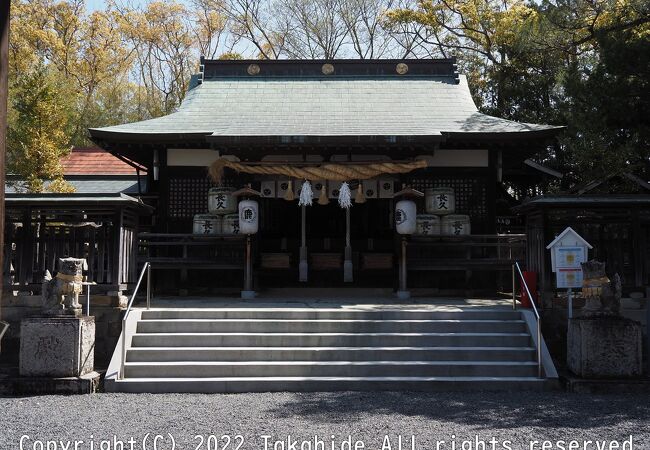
313 349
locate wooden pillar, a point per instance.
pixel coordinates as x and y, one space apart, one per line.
26 256
492 180
637 248
248 292
115 266
403 292
5 7
347 263
303 265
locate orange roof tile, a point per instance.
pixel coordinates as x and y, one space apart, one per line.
94 161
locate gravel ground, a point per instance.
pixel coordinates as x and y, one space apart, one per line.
516 417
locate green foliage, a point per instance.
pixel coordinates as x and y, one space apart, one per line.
608 108
579 63
230 56
38 134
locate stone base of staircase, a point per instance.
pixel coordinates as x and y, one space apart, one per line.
320 349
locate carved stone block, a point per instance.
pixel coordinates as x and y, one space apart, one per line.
57 346
604 347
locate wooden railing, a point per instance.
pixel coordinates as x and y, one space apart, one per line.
32 249
479 252
183 251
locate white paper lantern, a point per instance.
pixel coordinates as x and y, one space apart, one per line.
405 217
248 216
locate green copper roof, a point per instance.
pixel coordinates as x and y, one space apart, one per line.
321 106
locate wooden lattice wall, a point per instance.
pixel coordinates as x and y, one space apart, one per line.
471 195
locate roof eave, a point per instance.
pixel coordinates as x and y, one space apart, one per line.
554 201
325 139
77 199
492 136
102 135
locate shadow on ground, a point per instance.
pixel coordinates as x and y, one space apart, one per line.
487 409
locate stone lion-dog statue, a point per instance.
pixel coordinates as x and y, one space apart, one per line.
60 294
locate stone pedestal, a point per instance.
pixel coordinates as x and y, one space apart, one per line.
604 347
57 346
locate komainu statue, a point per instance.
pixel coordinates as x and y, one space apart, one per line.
603 297
61 293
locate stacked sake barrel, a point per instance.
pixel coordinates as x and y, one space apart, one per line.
440 205
222 217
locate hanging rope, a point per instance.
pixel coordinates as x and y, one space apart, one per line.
328 171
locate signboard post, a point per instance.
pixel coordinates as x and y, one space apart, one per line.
568 251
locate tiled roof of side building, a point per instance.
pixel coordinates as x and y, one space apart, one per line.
94 161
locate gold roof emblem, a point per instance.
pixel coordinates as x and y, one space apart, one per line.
328 69
253 69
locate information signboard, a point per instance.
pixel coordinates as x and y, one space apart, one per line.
569 257
568 278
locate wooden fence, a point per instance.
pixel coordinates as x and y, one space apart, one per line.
34 244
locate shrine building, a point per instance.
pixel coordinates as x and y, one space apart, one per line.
379 127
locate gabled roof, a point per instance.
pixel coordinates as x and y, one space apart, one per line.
94 161
588 186
542 168
569 230
297 99
100 184
77 200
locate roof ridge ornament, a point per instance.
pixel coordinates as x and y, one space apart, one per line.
253 69
327 69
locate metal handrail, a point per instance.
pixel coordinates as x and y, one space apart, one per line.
537 316
4 326
146 268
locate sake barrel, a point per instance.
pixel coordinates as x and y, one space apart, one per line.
230 224
248 216
207 224
440 201
427 224
405 217
221 201
455 225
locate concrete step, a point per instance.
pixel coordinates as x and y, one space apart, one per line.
328 313
260 349
326 384
166 354
328 326
330 339
212 369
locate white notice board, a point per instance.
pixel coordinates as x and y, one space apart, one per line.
568 278
570 257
